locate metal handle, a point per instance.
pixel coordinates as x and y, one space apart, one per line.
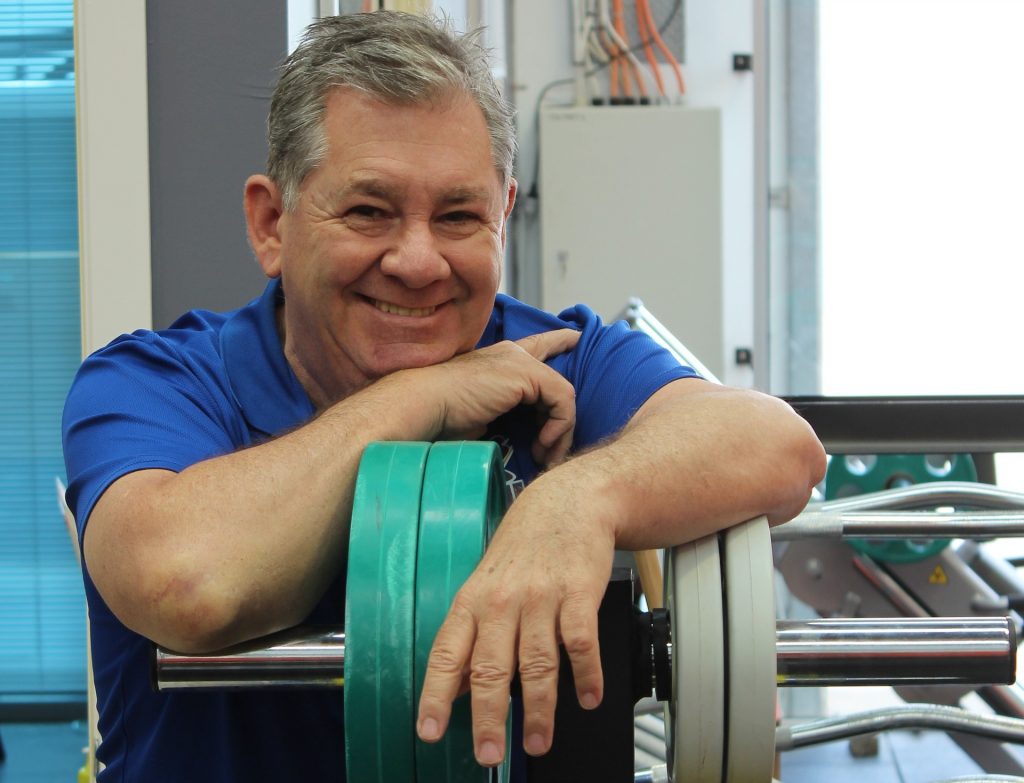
901 525
934 494
910 717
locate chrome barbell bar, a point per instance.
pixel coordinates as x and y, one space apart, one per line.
840 651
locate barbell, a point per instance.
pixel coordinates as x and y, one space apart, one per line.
422 517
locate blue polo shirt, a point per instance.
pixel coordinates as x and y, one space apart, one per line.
213 383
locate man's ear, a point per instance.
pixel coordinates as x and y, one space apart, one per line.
509 203
263 210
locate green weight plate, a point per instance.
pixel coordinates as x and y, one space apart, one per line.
904 551
851 475
856 474
463 502
380 705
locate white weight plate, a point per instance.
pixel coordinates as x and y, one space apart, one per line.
695 715
750 635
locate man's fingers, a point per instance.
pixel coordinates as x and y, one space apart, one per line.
538 676
557 397
544 345
475 388
554 440
579 636
490 677
445 676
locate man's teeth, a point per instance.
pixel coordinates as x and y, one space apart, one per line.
416 312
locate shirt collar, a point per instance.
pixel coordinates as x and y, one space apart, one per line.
271 397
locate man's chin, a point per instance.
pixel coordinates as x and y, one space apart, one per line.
412 359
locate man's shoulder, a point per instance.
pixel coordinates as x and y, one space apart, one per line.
197 335
193 337
513 319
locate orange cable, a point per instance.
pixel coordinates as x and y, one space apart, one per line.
661 45
641 23
613 51
629 69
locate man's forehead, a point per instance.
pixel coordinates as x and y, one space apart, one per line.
399 188
377 148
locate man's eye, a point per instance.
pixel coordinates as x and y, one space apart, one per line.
367 212
458 218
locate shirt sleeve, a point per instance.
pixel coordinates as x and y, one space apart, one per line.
614 370
141 403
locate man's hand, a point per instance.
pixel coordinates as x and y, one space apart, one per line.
694 459
475 388
539 585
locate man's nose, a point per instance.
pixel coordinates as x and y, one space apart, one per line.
416 258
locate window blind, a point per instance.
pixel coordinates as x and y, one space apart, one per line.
42 606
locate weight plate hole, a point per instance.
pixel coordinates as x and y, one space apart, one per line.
860 464
939 465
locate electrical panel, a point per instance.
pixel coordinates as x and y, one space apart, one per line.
631 206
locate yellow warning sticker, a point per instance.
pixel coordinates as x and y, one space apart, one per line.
938 576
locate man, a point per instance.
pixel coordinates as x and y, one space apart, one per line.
211 465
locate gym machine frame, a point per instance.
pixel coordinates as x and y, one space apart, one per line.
832 576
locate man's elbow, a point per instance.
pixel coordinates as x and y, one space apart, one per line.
805 466
190 615
177 608
811 456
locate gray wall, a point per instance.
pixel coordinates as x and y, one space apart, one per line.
211 72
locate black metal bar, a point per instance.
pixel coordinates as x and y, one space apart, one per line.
926 425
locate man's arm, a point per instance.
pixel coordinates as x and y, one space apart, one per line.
696 458
245 544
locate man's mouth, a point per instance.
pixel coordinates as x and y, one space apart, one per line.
393 309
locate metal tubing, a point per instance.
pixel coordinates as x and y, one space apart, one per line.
935 494
901 525
911 651
656 774
853 518
910 717
299 658
840 651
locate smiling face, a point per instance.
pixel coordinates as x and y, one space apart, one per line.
392 256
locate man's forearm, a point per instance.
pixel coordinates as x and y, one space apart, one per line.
243 544
695 462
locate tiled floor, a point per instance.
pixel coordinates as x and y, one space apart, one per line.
42 752
903 757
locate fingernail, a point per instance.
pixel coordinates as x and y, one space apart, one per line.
588 701
428 729
489 755
535 744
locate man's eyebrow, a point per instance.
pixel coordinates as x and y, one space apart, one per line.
387 191
463 195
374 188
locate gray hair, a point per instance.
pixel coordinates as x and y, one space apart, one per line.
395 57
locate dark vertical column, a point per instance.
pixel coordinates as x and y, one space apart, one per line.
597 745
211 72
